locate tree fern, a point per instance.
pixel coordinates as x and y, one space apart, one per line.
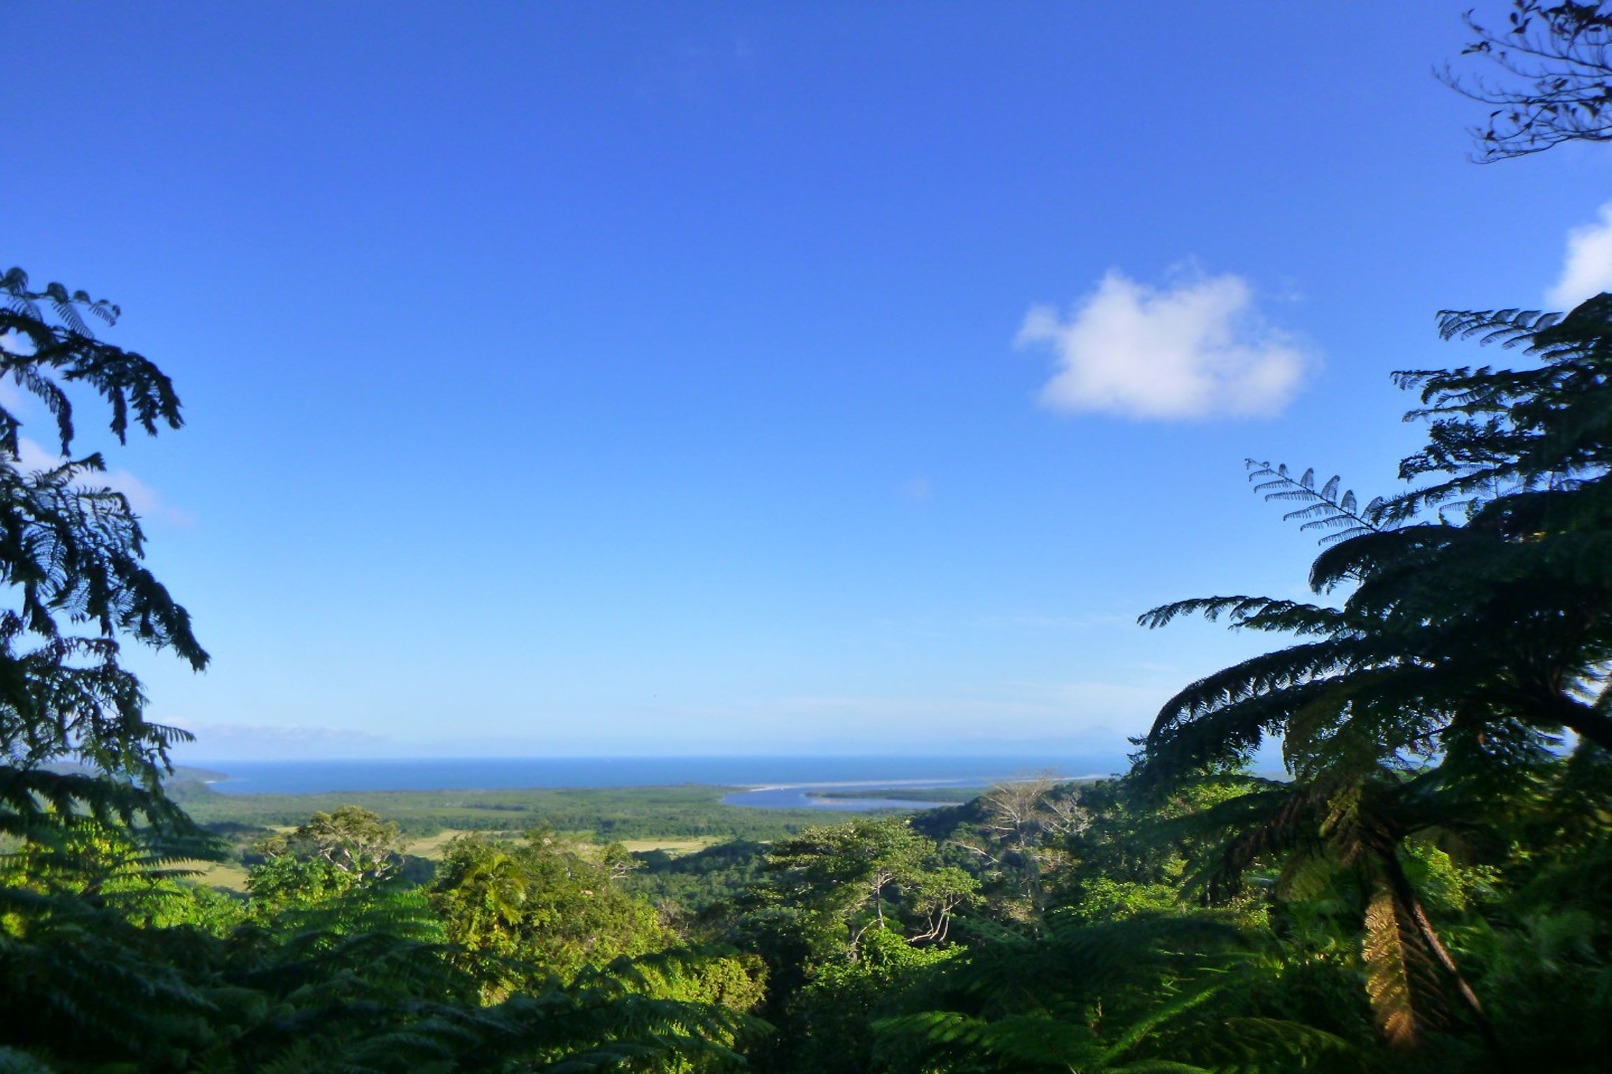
1345 823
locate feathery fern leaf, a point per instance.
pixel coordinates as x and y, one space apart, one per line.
1387 973
1324 508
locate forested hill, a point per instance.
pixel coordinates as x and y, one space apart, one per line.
983 935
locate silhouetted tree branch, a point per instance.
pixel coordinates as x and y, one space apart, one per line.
1556 84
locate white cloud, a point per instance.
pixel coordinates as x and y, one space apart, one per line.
1195 350
14 398
1588 270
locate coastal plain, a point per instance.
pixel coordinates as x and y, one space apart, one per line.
672 820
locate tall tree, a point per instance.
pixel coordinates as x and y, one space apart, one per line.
545 907
71 549
1020 839
869 874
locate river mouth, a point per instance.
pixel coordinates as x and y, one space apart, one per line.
836 797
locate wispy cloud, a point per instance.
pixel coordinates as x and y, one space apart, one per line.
1588 270
15 342
12 397
861 708
1036 621
145 500
1198 349
693 71
277 741
1028 702
917 489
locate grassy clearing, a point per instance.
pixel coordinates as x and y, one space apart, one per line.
432 847
231 876
680 821
226 875
674 847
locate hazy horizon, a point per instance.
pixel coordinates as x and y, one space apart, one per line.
253 746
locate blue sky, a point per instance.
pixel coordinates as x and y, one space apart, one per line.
630 378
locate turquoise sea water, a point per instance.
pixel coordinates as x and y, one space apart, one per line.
777 781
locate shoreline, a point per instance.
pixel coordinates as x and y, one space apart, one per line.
749 775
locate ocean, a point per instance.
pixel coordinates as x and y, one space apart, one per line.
773 782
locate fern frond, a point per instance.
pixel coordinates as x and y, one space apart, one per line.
1139 1030
1323 508
1388 982
1508 327
1261 678
1253 1043
1257 613
1028 1042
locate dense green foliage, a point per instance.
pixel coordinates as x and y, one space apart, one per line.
539 906
604 813
1141 939
685 885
